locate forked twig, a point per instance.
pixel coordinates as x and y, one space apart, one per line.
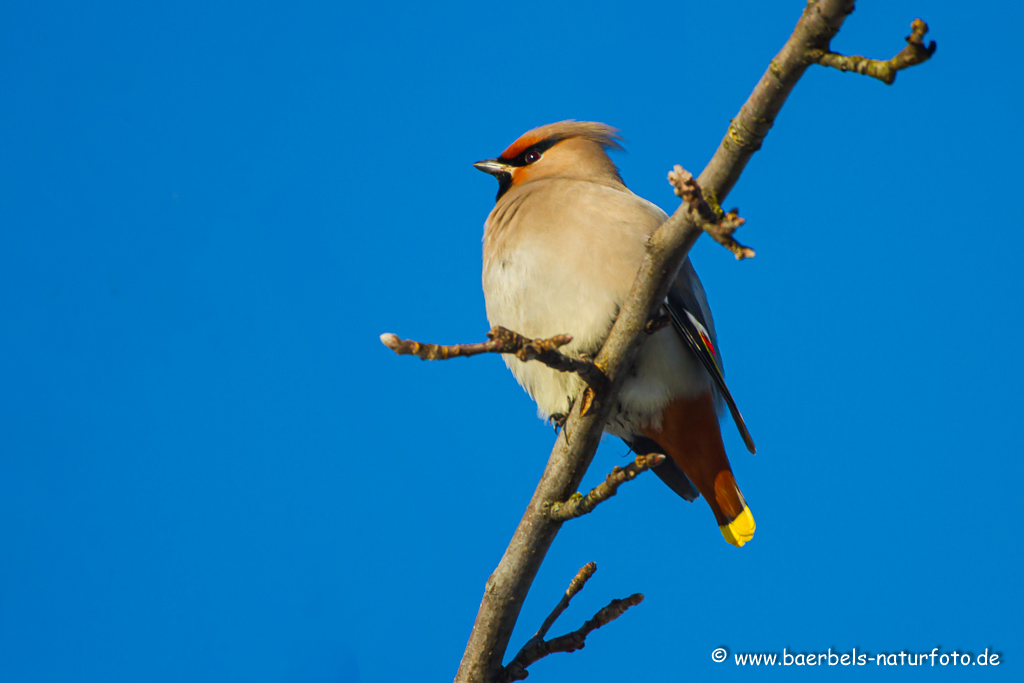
537 648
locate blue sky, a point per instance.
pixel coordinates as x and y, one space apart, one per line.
210 469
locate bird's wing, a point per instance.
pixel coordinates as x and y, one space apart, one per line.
691 319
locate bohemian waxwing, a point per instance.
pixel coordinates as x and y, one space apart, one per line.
561 249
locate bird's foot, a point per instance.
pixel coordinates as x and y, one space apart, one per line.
658 322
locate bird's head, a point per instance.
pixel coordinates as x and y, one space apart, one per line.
567 149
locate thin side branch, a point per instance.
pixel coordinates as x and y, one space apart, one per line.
579 505
711 219
915 52
537 648
501 340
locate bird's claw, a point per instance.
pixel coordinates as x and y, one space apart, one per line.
658 322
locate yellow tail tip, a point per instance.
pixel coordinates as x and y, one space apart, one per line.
739 530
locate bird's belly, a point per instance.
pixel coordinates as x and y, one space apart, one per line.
539 297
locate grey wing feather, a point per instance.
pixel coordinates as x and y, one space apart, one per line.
691 318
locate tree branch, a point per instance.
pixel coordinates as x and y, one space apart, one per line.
537 648
501 340
915 52
579 505
509 584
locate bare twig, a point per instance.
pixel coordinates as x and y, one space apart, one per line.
915 52
712 219
579 505
501 340
537 648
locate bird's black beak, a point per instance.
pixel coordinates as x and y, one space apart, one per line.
501 171
492 166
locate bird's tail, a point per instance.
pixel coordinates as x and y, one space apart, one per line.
690 435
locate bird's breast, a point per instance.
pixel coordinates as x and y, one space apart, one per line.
561 260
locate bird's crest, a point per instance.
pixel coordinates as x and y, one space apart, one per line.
602 134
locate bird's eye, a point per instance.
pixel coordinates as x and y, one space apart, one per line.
532 157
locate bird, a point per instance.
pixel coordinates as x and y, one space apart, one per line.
561 248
